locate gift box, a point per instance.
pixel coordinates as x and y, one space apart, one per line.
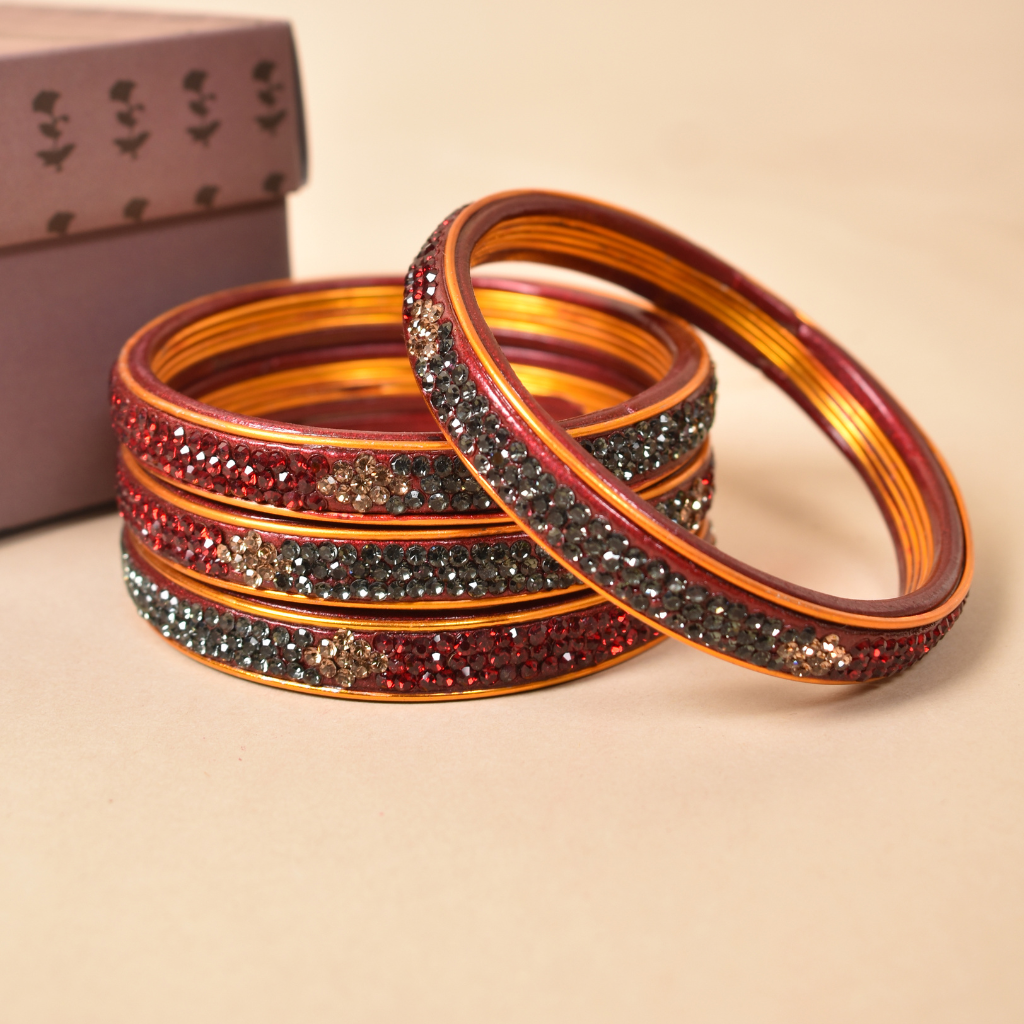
145 159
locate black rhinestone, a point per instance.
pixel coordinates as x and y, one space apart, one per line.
401 465
289 550
520 549
421 465
563 497
393 554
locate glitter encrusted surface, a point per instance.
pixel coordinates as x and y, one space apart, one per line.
386 662
376 482
366 572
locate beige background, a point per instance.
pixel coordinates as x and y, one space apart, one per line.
677 839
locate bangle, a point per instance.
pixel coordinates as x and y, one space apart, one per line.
402 567
619 544
378 657
339 344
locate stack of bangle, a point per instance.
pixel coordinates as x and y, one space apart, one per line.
278 526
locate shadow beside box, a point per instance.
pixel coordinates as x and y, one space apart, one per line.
99 238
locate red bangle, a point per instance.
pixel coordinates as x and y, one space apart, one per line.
285 338
341 564
602 531
381 657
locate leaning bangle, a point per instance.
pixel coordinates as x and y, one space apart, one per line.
340 344
381 657
343 564
599 529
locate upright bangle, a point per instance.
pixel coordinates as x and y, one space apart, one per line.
605 533
339 345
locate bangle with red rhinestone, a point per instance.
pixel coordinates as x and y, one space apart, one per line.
311 471
382 658
345 565
611 538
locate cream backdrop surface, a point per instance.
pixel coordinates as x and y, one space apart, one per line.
675 839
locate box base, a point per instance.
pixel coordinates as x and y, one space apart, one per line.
67 307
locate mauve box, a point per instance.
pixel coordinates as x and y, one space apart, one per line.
145 158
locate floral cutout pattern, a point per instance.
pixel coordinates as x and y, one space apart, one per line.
45 102
268 94
135 208
195 82
206 196
272 183
121 92
59 223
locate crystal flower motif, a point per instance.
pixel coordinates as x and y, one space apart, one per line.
424 327
343 659
363 484
815 657
250 556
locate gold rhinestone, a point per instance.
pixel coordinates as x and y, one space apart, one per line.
327 485
365 464
328 648
360 671
417 308
267 553
433 313
223 553
362 502
341 471
252 541
236 544
328 669
311 656
398 486
344 495
829 642
344 678
379 495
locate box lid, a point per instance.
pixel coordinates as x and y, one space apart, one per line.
109 118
